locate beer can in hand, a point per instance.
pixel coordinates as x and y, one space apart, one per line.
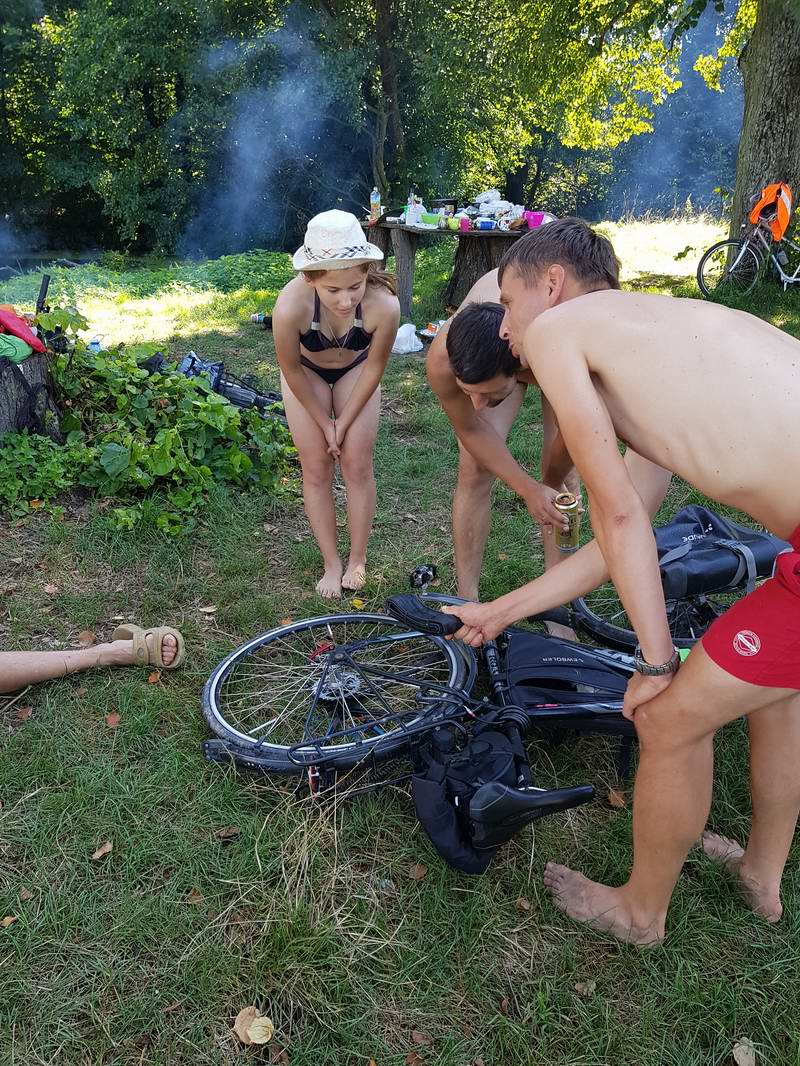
567 540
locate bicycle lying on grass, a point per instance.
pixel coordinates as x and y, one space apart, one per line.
322 698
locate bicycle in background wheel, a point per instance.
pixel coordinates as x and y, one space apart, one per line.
734 265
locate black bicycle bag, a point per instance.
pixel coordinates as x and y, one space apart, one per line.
701 552
447 775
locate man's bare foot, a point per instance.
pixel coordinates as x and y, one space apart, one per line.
169 648
599 906
765 900
329 585
355 576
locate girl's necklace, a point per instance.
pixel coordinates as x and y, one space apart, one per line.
343 344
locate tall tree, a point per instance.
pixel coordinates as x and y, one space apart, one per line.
769 147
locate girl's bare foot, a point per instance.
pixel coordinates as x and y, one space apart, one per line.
596 905
355 575
120 652
765 900
329 585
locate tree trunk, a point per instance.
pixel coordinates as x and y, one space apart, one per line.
26 393
769 146
476 255
385 31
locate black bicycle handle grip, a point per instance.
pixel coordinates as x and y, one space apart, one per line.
413 612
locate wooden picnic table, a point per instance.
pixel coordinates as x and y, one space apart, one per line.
478 252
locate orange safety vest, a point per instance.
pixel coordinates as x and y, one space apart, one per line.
778 196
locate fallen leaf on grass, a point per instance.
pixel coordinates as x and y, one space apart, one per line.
103 850
81 691
195 897
269 529
154 678
418 871
586 988
25 893
230 832
421 1038
504 1005
523 904
478 1062
113 719
208 610
357 603
502 556
616 799
24 713
86 638
173 1006
35 504
285 622
252 1027
413 1058
278 1054
744 1053
51 590
9 920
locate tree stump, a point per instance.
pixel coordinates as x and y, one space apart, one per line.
477 253
26 397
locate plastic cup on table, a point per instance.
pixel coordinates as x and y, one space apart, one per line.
465 225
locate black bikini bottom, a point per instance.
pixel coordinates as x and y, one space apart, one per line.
332 374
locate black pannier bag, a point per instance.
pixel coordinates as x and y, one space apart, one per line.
701 552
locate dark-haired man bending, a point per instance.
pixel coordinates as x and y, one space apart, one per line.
480 383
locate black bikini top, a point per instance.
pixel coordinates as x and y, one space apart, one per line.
355 340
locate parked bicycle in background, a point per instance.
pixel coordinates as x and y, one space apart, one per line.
736 264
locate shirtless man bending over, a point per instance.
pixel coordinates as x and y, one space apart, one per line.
712 395
481 387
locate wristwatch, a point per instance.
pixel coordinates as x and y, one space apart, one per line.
644 667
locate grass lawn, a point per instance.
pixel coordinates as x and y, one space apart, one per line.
146 955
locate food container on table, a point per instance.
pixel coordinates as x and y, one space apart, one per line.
485 223
429 218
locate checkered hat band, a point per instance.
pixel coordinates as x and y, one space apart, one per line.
355 251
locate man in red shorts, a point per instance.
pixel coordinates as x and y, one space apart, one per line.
710 394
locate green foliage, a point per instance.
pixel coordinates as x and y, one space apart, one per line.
129 433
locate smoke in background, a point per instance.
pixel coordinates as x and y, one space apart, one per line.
692 149
285 157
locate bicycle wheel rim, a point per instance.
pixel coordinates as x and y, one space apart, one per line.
728 266
602 616
293 674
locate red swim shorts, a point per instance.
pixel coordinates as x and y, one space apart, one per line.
758 639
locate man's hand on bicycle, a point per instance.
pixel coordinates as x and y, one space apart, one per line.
481 623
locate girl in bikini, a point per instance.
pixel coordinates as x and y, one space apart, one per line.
334 326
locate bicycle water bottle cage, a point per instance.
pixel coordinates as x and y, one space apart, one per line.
413 612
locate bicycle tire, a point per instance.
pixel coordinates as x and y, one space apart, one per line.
688 618
310 671
744 275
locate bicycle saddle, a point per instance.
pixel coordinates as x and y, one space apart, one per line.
497 811
413 612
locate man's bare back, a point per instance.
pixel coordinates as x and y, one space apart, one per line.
699 389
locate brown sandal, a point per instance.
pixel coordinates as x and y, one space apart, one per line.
142 651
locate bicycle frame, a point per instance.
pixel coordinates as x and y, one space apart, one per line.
764 239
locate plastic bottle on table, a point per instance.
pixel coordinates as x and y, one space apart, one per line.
374 205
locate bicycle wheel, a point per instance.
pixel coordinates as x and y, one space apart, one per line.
728 266
352 683
603 617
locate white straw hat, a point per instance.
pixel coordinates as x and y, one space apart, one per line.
334 241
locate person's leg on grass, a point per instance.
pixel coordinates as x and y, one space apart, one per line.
356 462
672 798
18 669
318 467
472 499
775 789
